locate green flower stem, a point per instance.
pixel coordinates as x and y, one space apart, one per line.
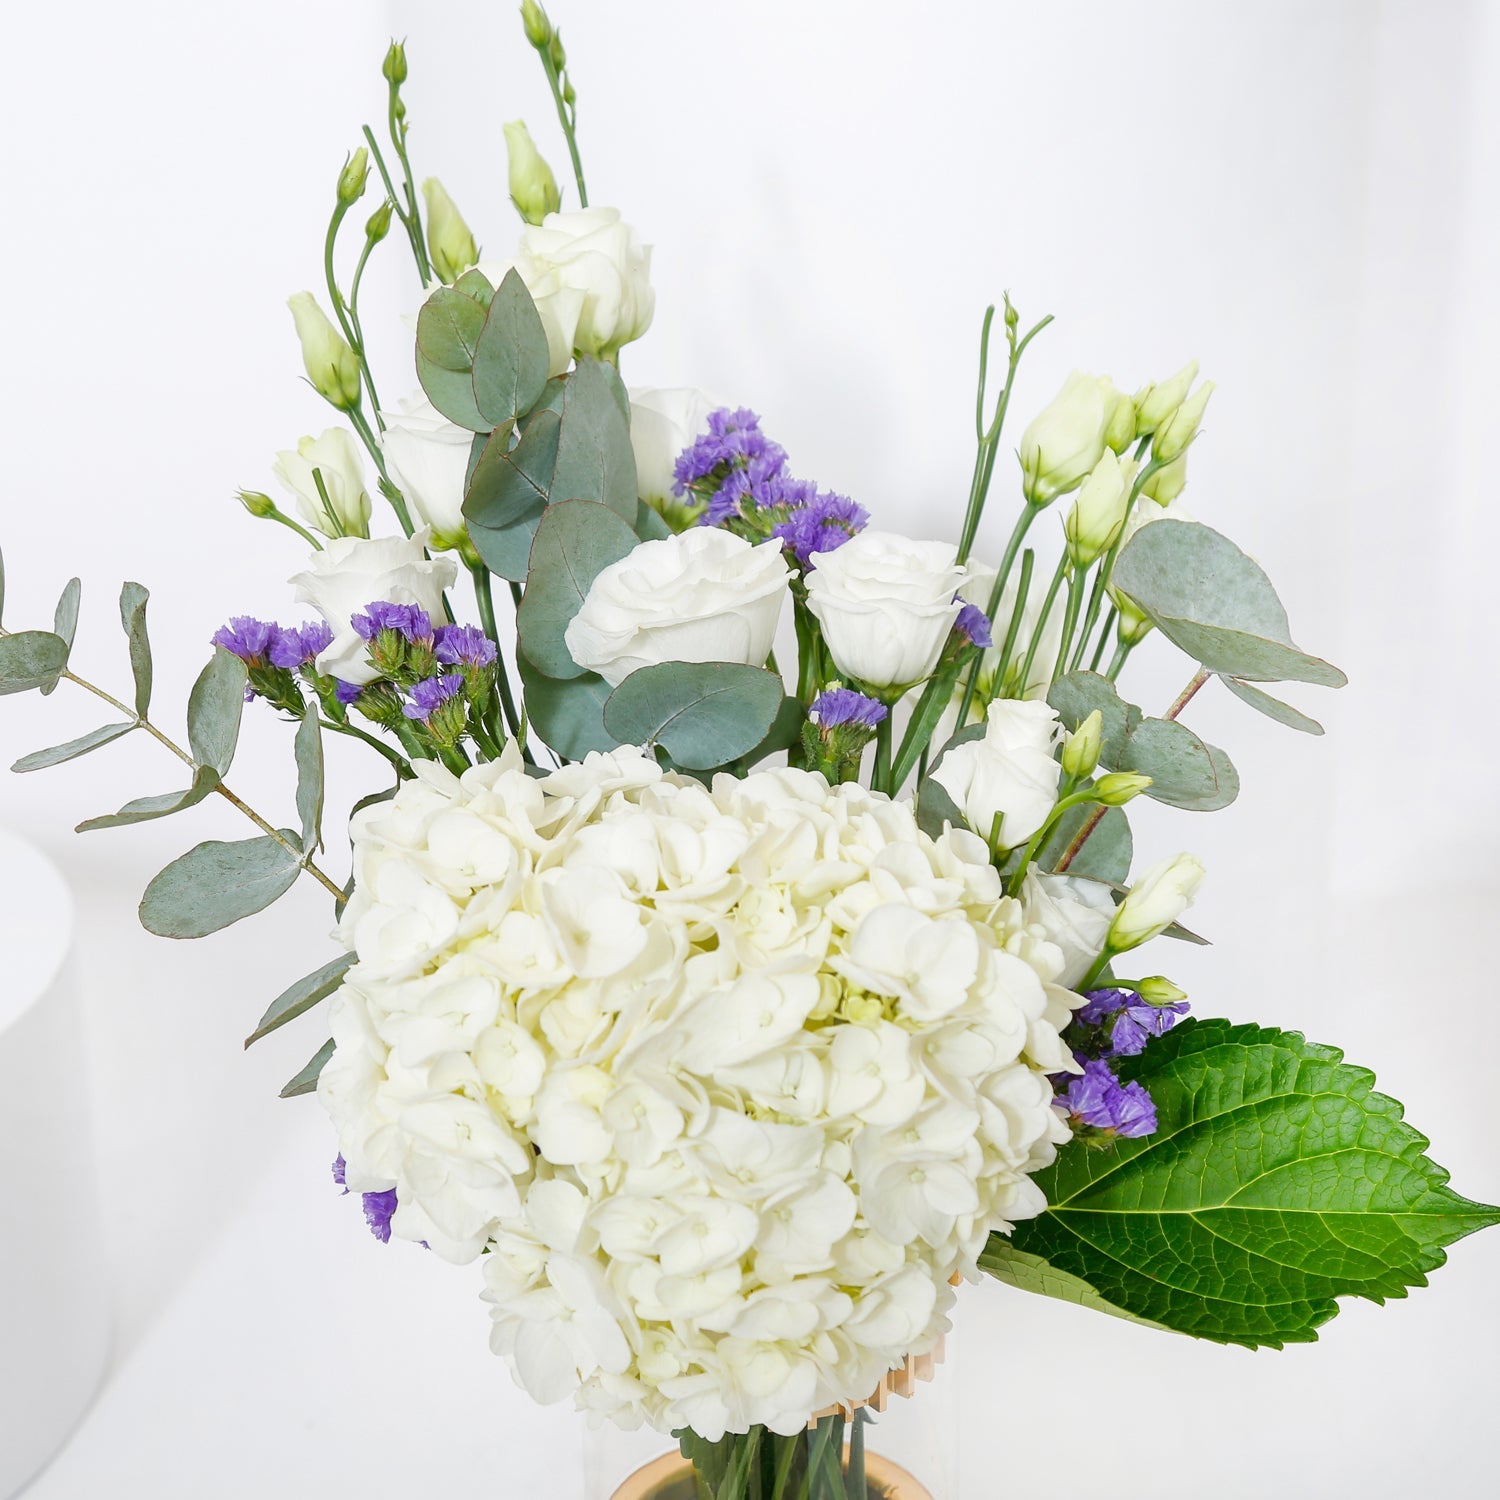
1070 621
144 723
1041 622
396 124
1118 660
280 515
388 488
568 118
1013 629
344 311
1099 965
357 343
882 773
1091 614
1067 804
485 598
410 221
1104 634
859 1488
353 731
1002 577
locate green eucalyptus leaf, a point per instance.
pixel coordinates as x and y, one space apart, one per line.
936 808
595 460
1272 708
476 285
215 707
2 588
133 599
575 541
309 755
512 360
148 809
704 714
566 714
1210 599
1277 1181
448 330
215 885
41 760
299 998
1185 771
65 617
785 730
510 486
31 659
505 552
648 524
307 1080
1105 855
1079 694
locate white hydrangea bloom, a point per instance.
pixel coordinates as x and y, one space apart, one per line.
731 1082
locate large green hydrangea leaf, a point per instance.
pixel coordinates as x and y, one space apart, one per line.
1277 1181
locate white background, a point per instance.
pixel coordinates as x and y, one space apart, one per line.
1301 195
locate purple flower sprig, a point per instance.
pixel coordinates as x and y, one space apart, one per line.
1104 1107
401 640
840 724
274 655
1119 1022
974 625
379 1208
843 705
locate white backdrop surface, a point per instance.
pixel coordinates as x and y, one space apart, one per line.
1303 196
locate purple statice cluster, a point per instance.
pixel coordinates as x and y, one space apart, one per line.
840 724
273 655
379 1207
741 477
1113 1023
844 706
974 625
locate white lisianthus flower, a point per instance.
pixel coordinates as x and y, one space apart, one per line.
1011 772
886 605
1067 437
705 595
728 1081
1155 901
428 457
335 457
662 424
351 573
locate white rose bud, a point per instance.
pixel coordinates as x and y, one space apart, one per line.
335 458
593 253
326 356
1155 403
662 424
706 595
1011 772
1098 513
428 457
450 242
1173 436
350 574
1066 439
533 188
886 605
1155 902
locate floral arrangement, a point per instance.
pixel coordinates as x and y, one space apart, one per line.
747 947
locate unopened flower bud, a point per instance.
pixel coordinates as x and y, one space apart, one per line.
1098 515
538 27
533 188
1133 626
262 507
379 223
328 359
393 69
1173 436
1119 431
1155 902
557 52
1081 753
1156 403
1159 990
352 178
1066 439
449 240
1012 317
1119 787
1168 482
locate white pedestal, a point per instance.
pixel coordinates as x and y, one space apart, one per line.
54 1304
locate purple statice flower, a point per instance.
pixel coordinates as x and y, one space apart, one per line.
379 1207
247 638
296 645
974 623
1136 1020
346 692
733 440
409 620
1099 1099
821 524
340 1168
431 694
464 645
845 706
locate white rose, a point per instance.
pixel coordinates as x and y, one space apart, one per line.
1155 901
1066 438
336 458
1076 914
886 605
592 252
351 573
428 457
703 596
662 424
1011 771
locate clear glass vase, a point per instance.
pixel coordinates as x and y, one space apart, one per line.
900 1445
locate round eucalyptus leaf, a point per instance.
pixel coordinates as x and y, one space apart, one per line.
216 884
704 714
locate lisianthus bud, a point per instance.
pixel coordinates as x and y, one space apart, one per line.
1173 436
1133 627
393 69
379 223
352 178
1168 482
1066 438
1119 787
533 188
1098 512
1081 753
1156 403
538 27
1119 431
450 242
1155 902
1159 990
328 359
262 507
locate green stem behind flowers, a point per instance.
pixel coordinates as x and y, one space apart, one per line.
997 592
